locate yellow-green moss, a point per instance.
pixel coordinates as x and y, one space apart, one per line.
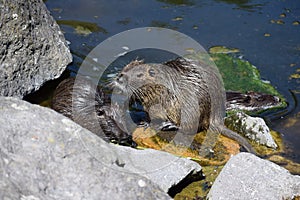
223 50
81 27
200 188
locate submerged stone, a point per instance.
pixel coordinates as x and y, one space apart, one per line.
223 50
82 27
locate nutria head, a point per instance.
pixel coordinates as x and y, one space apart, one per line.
146 82
154 86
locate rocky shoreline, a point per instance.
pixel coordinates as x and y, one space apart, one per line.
44 155
47 156
32 47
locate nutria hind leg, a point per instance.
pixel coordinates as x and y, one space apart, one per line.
206 148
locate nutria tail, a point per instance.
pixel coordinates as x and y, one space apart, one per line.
233 135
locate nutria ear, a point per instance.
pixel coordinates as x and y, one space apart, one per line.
133 63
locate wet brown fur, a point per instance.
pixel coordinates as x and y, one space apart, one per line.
85 104
179 88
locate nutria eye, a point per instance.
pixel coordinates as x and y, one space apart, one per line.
151 72
140 75
120 76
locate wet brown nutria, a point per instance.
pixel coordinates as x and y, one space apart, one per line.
187 93
252 101
86 104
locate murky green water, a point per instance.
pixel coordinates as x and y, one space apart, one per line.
267 33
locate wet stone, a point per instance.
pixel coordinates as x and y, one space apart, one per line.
254 128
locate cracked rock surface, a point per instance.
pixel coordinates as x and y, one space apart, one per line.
44 155
33 49
246 176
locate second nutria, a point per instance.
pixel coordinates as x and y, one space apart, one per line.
86 104
183 92
251 101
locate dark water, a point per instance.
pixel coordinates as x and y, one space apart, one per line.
266 32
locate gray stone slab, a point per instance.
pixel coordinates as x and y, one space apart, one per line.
162 168
246 176
47 156
42 156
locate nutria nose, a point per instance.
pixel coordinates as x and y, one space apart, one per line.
122 78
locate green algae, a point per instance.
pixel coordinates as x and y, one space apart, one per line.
237 74
222 49
241 75
294 76
200 189
82 27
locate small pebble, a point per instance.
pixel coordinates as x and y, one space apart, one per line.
142 183
125 48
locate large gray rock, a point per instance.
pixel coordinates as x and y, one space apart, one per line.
33 50
161 168
44 155
246 176
254 128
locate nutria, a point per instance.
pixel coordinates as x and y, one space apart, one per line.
91 109
181 87
251 101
